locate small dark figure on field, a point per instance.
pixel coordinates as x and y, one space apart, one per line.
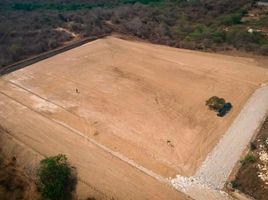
170 143
77 91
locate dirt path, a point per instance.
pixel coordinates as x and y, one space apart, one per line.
73 34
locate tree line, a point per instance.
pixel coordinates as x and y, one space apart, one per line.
28 27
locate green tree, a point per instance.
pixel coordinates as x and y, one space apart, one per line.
234 18
15 50
218 36
215 103
55 178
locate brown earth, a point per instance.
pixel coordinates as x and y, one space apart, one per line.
135 97
247 179
145 101
13 184
32 136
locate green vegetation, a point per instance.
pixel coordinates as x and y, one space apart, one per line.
63 6
253 146
215 103
55 6
219 105
55 178
218 36
234 18
234 183
248 159
28 26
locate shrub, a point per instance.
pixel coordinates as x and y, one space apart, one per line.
264 49
218 36
200 32
248 159
15 50
234 183
233 19
252 146
55 178
243 39
215 103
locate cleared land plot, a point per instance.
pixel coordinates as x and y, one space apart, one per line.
100 174
133 97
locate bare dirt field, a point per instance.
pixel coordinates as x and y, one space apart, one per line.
134 97
32 136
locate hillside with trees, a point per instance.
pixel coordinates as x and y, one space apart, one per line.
30 27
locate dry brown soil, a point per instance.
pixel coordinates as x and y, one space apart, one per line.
13 184
145 101
134 98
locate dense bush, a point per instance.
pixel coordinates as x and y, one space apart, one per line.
234 18
28 27
248 159
55 178
253 146
215 103
219 105
219 36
